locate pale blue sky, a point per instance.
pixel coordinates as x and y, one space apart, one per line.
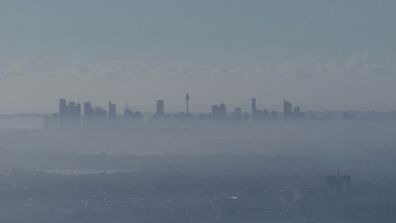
47 44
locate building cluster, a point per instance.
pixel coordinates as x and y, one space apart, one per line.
69 112
338 182
219 111
72 114
337 187
291 112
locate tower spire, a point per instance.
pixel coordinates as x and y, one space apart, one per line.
187 99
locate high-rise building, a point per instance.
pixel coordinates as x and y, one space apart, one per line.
160 109
215 109
112 110
297 112
222 110
254 108
219 111
127 112
338 183
258 114
187 99
62 108
132 115
237 113
69 113
287 109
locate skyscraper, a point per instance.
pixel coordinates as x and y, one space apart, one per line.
62 107
287 109
237 115
254 108
127 112
297 111
222 110
160 108
219 111
112 110
187 99
69 113
215 110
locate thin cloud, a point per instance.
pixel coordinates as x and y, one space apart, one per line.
364 64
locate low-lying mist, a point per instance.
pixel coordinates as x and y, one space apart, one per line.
359 147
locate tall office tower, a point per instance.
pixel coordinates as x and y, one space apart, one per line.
237 113
215 111
287 109
297 111
254 108
160 108
222 110
187 99
69 113
62 108
219 111
127 112
62 112
339 183
112 110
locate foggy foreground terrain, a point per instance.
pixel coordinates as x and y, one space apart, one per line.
222 172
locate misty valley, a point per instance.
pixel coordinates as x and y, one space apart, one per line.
197 111
269 171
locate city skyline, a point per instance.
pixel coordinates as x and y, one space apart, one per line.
328 55
89 109
72 114
251 106
197 111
